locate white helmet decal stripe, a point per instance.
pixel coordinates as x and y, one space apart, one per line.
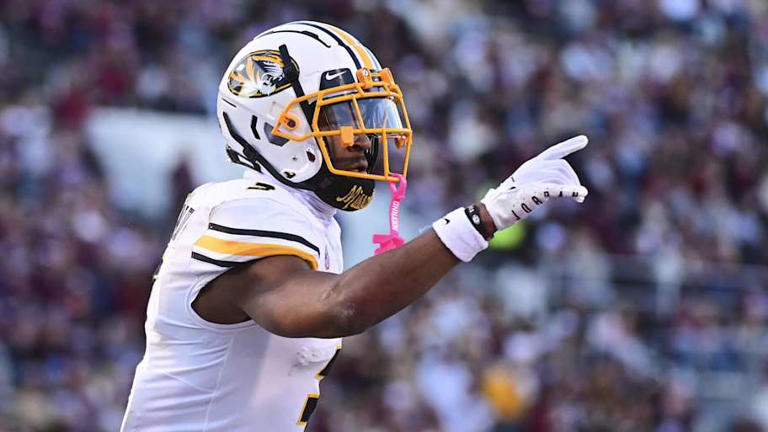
375 60
361 51
330 33
304 32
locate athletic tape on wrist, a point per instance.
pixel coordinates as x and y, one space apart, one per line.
459 235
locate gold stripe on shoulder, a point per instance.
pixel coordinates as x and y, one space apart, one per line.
230 247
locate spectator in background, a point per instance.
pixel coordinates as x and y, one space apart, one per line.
673 93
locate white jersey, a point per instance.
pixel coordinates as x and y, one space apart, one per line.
205 377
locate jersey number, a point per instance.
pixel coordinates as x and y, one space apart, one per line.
309 407
311 402
262 187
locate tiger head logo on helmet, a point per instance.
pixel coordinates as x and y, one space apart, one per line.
298 98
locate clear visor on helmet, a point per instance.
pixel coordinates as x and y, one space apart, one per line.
376 113
376 125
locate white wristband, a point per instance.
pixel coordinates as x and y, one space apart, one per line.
459 235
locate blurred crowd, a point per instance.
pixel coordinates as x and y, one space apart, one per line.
644 309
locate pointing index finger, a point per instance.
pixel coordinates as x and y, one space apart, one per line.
563 149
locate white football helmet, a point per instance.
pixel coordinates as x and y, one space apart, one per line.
294 86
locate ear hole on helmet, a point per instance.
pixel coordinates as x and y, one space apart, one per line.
311 156
274 139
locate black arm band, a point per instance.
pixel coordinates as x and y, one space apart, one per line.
473 213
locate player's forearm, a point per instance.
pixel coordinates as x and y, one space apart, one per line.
320 304
382 285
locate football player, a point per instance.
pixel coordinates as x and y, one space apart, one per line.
251 301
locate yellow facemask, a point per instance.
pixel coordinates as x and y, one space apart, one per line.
372 106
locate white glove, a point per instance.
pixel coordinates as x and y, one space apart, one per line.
534 183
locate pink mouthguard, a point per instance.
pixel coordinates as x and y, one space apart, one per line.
392 240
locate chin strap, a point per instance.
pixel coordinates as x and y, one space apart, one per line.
392 240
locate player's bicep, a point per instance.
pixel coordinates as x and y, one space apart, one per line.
285 296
